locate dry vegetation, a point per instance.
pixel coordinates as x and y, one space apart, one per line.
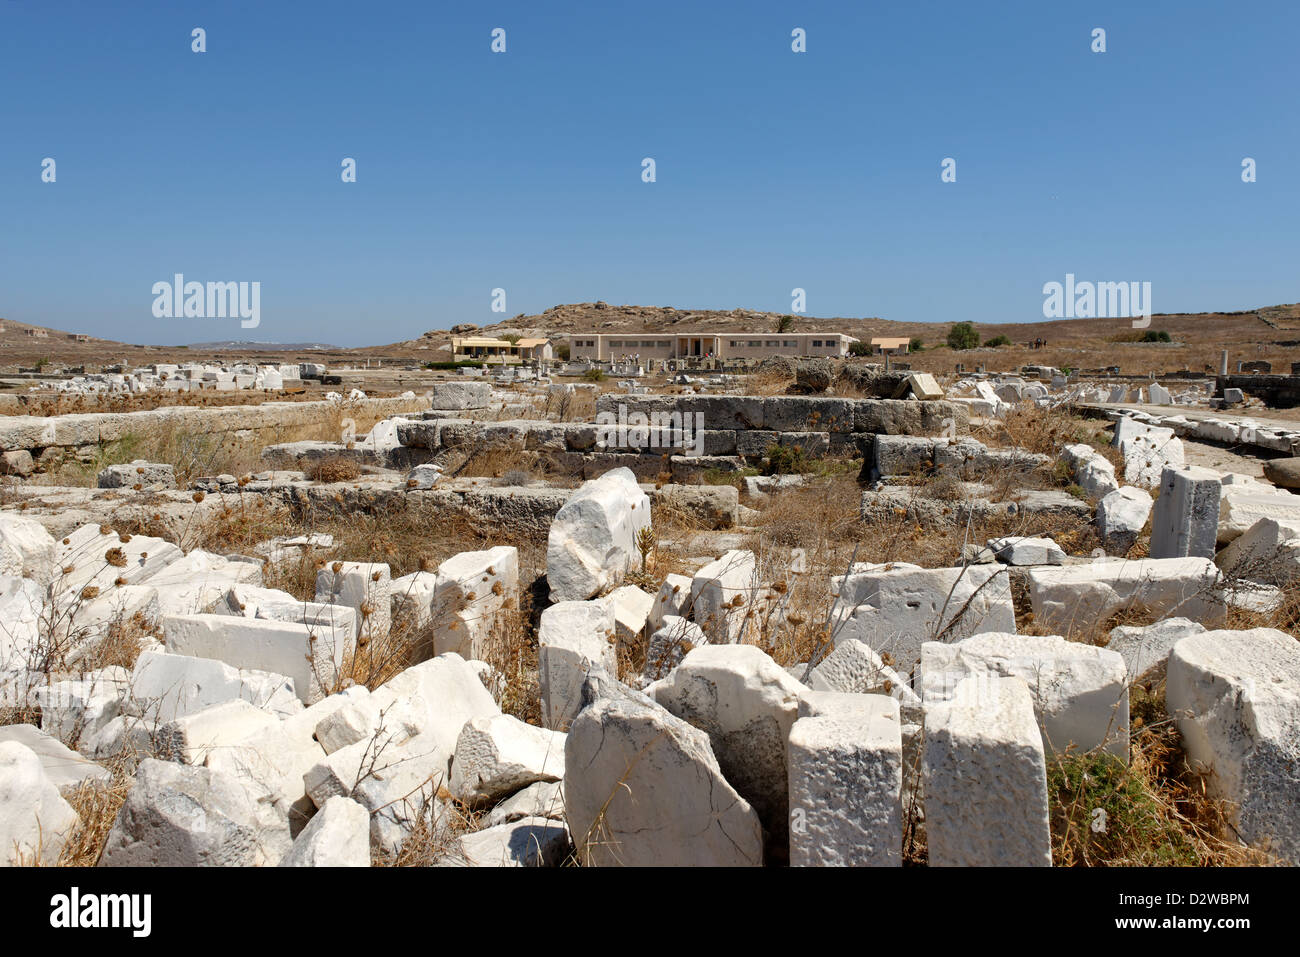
1158 811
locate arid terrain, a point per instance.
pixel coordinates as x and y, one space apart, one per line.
822 613
1270 333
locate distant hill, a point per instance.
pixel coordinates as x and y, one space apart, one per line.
1269 332
248 345
1249 325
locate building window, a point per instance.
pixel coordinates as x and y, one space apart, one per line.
817 343
772 343
790 344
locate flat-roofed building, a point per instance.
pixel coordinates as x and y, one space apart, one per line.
534 348
882 344
611 347
483 347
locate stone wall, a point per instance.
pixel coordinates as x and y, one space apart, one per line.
37 433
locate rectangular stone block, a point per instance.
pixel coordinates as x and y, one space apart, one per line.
1185 521
1075 598
896 610
792 413
846 776
985 778
305 653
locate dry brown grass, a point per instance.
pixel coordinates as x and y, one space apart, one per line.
768 382
335 468
198 454
96 805
1155 810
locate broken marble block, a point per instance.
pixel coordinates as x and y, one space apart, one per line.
1091 470
631 607
1121 516
190 738
1185 519
643 788
985 778
1145 648
76 709
543 799
365 587
165 686
855 667
312 655
147 475
593 540
1148 450
528 842
1074 598
26 549
723 593
573 637
35 820
499 755
470 594
1080 692
338 835
412 597
1023 550
1267 552
674 598
669 645
1234 695
67 769
746 704
846 776
896 610
177 815
423 477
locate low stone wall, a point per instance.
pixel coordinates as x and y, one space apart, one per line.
526 507
706 434
1277 391
37 433
791 413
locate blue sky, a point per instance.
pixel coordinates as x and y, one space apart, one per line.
522 170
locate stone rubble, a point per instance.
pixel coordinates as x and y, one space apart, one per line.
660 729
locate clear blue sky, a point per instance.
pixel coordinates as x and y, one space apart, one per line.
523 170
